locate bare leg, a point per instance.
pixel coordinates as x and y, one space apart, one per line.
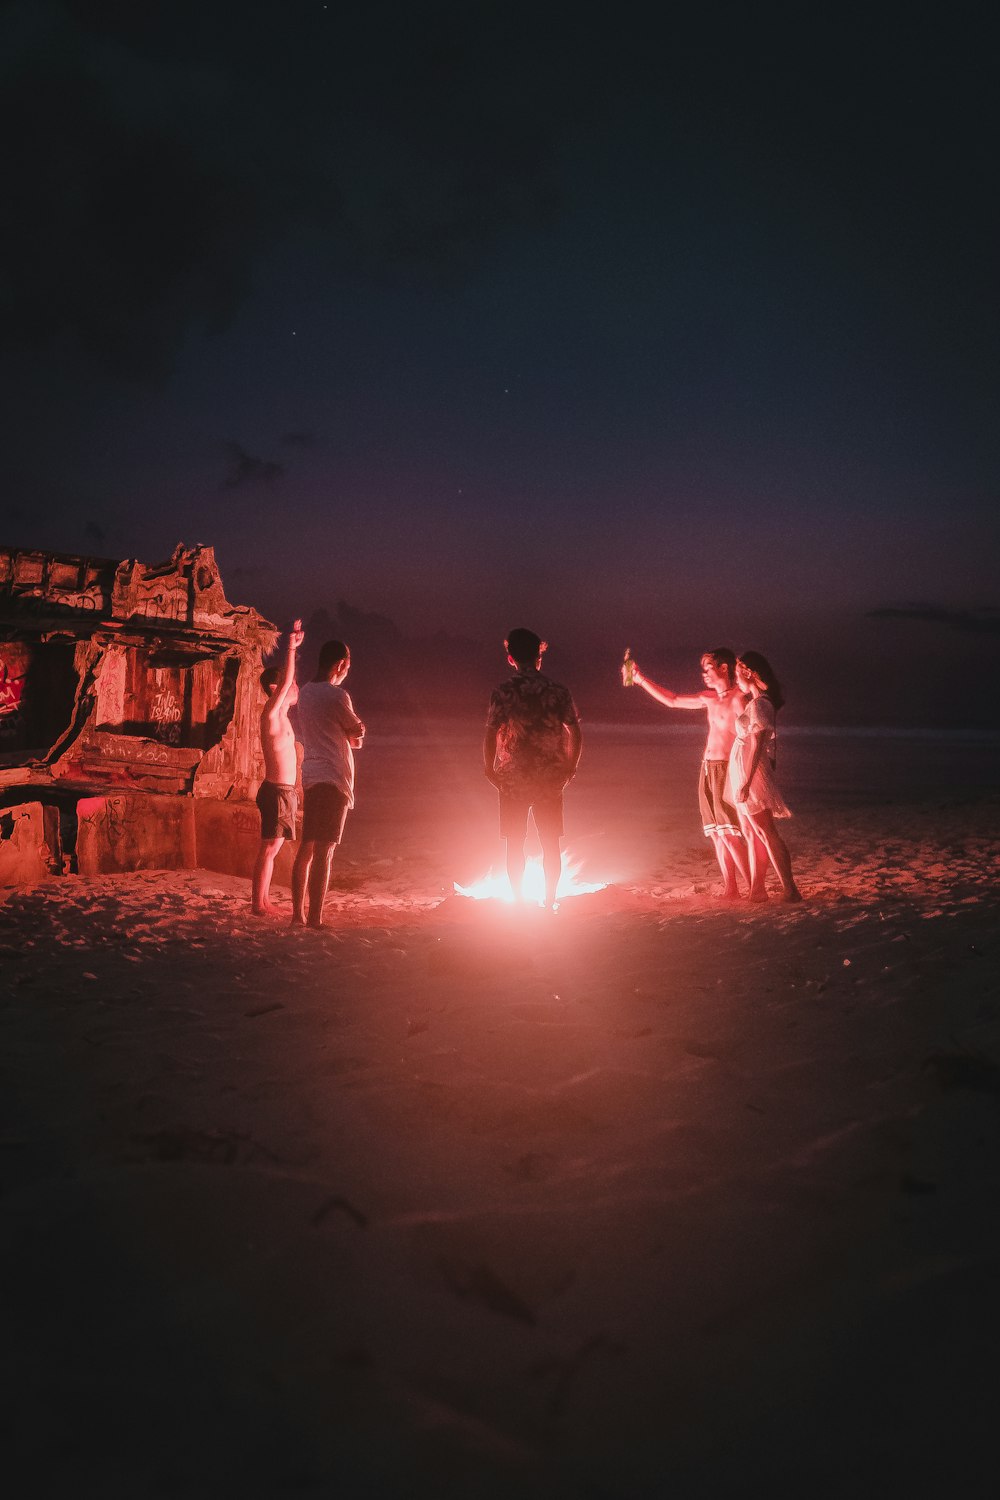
777 853
319 880
260 899
727 865
736 848
300 880
756 858
515 866
551 866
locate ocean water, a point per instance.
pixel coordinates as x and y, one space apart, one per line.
422 795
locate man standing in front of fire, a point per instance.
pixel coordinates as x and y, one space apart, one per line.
531 750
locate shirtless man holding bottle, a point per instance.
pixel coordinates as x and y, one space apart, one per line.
721 699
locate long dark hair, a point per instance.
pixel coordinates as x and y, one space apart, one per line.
761 667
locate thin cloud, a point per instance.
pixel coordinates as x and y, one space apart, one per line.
244 469
984 621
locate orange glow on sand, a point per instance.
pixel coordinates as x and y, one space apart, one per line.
495 886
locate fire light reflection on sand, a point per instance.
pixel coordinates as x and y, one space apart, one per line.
495 886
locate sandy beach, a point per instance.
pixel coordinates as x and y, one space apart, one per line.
657 1196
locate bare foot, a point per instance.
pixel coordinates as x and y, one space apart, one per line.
265 910
758 897
298 919
789 896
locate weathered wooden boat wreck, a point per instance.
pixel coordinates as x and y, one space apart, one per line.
128 716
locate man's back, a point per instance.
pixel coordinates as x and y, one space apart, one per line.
530 714
326 721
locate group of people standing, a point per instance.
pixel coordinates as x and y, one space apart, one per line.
329 732
737 791
531 750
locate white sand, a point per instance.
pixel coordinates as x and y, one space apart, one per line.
659 1197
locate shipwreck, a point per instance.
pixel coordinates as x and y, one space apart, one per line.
129 705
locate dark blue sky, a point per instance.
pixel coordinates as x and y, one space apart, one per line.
623 326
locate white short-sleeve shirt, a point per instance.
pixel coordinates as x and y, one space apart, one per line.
324 719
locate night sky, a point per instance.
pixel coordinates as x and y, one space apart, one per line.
631 326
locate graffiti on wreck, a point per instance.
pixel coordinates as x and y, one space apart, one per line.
166 714
11 691
144 752
111 688
11 688
47 603
244 822
111 822
221 715
81 603
139 684
170 605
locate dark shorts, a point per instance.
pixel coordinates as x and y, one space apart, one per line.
278 806
546 808
718 815
324 813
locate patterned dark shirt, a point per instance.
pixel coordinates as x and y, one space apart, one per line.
529 712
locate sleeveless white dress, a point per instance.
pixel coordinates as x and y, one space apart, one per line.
763 795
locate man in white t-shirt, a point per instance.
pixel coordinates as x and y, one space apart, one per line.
329 731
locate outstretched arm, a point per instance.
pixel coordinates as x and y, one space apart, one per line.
665 696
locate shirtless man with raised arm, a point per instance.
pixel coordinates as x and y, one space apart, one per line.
722 700
276 795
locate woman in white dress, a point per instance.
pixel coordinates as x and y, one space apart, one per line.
752 787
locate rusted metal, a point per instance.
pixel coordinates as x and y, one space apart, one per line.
118 676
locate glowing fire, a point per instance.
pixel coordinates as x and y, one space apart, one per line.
496 886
